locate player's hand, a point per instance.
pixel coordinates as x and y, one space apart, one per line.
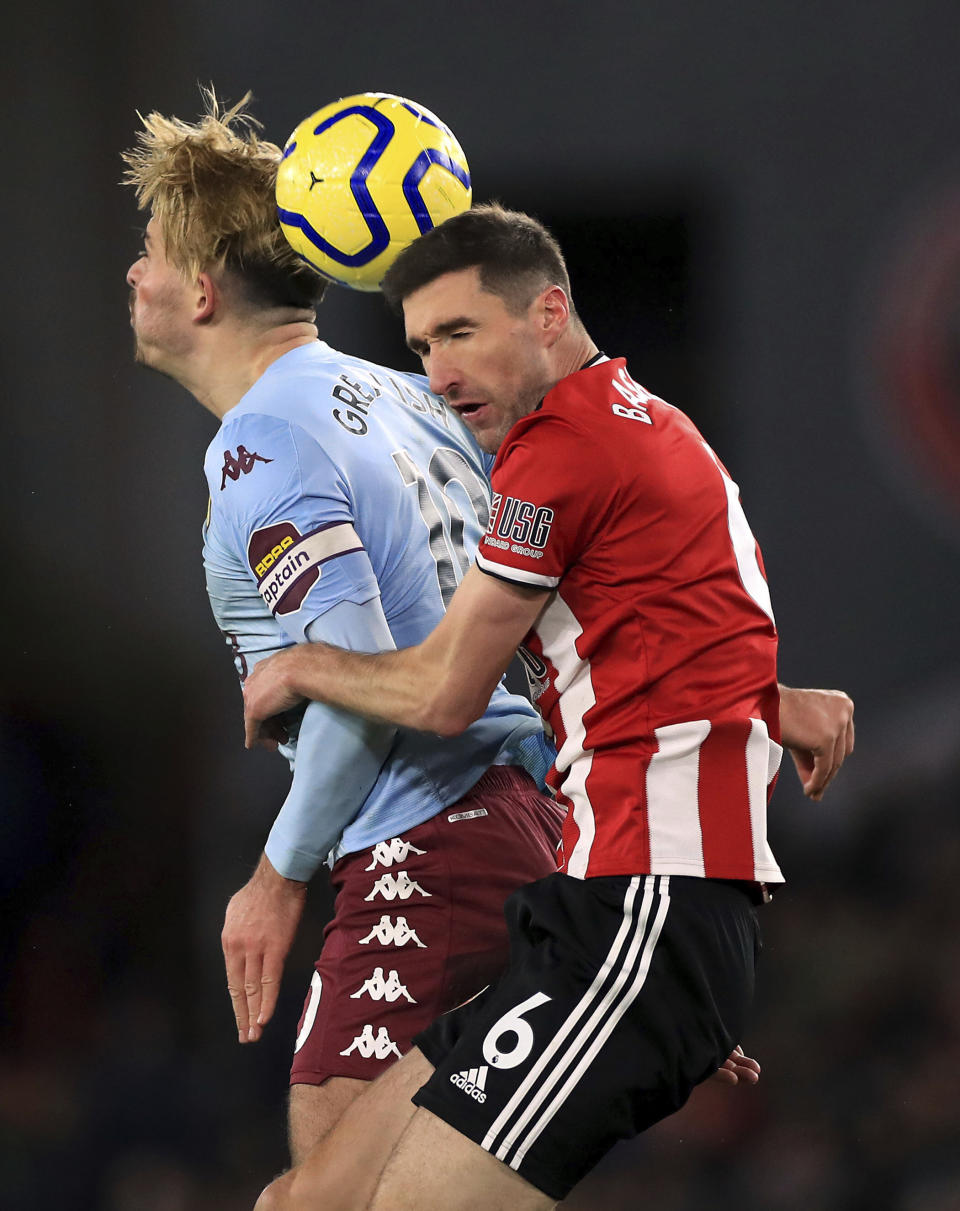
258 931
272 733
267 692
736 1068
817 728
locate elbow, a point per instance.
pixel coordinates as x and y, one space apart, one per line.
448 717
448 726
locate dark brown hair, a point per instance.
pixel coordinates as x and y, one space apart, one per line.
515 254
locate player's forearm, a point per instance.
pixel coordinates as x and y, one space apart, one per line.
411 688
441 685
339 758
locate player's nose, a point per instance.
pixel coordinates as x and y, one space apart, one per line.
133 273
443 372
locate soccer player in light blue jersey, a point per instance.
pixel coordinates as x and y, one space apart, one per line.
346 503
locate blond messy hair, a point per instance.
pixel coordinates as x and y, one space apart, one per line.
210 186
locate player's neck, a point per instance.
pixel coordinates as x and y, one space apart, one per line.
573 352
232 363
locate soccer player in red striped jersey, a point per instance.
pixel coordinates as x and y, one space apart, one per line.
618 558
654 656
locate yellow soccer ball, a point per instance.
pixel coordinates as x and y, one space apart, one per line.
362 178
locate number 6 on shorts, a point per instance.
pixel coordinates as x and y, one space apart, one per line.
512 1022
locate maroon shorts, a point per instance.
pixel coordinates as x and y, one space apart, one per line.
418 925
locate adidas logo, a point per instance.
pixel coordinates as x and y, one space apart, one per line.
473 1082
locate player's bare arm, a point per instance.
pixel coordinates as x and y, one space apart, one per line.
258 931
817 728
429 686
442 685
817 725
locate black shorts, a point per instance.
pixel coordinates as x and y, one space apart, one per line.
622 994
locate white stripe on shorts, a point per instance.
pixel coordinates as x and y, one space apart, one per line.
633 938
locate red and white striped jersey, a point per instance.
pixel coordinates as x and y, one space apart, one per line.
654 660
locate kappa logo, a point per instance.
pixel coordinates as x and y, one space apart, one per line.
392 887
379 989
390 933
385 853
233 468
472 1081
372 1046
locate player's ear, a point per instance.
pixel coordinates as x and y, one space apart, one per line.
206 298
554 313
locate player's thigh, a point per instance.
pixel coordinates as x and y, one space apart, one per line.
341 1172
435 1168
315 1110
622 994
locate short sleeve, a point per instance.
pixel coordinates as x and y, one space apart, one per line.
549 494
287 511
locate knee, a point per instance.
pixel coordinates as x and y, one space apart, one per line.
277 1196
300 1191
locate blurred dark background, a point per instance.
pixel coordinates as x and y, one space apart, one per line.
761 203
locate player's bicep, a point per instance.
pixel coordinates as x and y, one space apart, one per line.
301 576
356 627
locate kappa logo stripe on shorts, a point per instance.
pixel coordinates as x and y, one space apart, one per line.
572 1049
419 927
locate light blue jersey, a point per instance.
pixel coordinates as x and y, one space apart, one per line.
346 503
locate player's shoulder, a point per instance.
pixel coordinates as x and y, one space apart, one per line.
599 423
294 387
260 452
592 403
335 396
559 420
303 405
600 389
244 441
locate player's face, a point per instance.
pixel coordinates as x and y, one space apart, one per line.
490 365
159 306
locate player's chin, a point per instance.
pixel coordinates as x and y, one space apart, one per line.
487 436
139 352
